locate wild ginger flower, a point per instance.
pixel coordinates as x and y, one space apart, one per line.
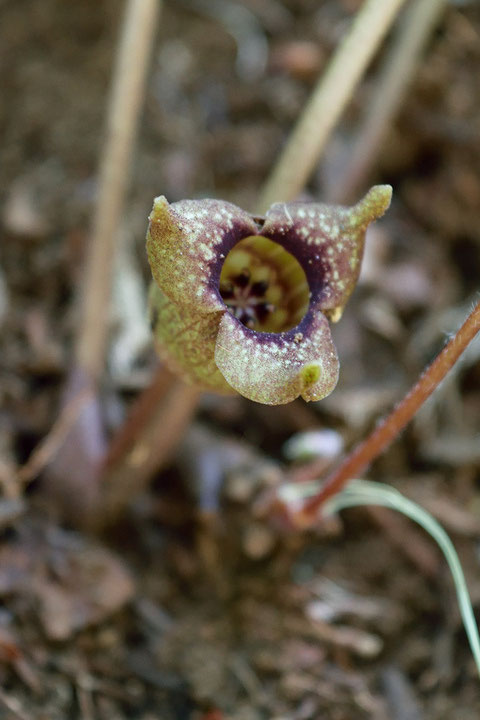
242 304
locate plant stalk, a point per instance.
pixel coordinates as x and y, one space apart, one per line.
127 93
354 465
399 66
78 457
144 444
328 100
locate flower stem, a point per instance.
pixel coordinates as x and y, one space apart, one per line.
144 443
354 465
328 100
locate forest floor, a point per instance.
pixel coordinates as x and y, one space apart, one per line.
193 606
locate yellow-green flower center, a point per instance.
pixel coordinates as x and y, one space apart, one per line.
264 286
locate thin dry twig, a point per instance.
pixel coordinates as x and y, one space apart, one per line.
83 688
12 705
355 464
49 446
78 458
8 485
420 19
408 540
123 116
328 100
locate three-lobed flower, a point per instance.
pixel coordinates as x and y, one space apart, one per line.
243 304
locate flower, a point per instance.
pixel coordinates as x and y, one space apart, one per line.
242 304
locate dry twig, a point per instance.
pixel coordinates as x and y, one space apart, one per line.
13 706
329 98
123 116
145 442
73 475
48 447
399 67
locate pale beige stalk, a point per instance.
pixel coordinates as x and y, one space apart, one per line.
328 100
127 93
399 66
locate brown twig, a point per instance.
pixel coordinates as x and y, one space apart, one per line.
407 539
139 415
355 464
144 443
48 447
12 706
328 100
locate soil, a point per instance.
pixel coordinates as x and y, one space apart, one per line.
194 606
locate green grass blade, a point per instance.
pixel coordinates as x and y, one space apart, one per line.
363 492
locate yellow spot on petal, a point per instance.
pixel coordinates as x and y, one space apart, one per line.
334 314
310 374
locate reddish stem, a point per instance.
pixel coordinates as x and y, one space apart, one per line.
393 424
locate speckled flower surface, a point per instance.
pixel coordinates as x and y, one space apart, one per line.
241 304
